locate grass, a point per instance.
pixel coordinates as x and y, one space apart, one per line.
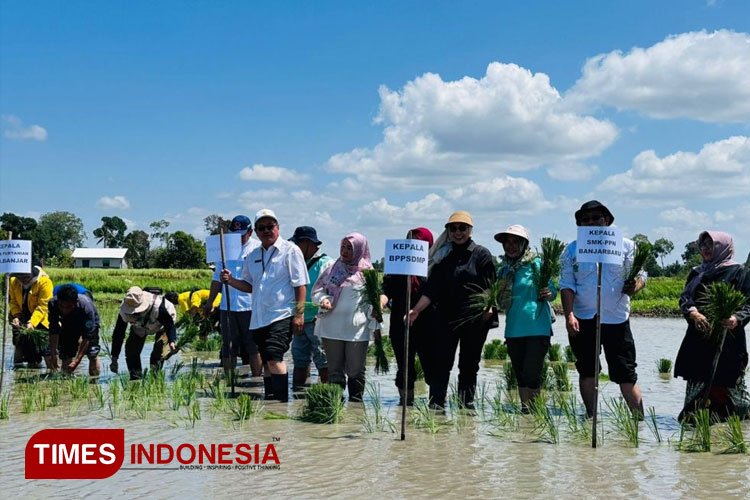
496 349
324 404
664 365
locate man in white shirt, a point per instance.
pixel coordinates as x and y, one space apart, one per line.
235 323
276 274
578 285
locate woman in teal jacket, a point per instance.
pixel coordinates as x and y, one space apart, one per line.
528 320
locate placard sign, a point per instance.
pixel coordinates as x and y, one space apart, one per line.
406 257
15 256
599 244
232 247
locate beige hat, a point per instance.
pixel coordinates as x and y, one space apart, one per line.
515 230
136 301
460 217
265 213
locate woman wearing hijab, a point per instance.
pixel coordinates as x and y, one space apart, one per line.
695 360
459 268
394 288
344 322
30 294
528 320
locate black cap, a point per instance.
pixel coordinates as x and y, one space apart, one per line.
305 233
590 206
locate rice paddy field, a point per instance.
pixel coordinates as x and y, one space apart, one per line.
493 451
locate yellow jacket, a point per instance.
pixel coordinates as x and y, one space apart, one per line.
188 300
39 295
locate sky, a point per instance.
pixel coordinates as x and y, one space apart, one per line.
378 117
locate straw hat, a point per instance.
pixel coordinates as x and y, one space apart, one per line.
460 217
515 230
136 301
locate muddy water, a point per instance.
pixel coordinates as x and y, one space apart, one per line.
341 461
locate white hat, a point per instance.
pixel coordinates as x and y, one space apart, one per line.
136 301
515 230
265 213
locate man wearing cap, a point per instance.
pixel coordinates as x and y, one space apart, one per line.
276 274
306 345
74 329
147 314
578 285
235 323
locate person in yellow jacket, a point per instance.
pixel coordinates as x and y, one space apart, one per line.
192 303
29 295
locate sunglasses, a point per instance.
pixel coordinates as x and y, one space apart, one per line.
458 227
267 227
591 218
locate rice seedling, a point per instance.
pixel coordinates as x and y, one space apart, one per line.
324 404
481 395
720 301
546 425
245 407
732 435
511 382
217 389
603 377
371 292
78 387
175 369
570 357
548 379
270 415
643 250
623 420
504 419
700 441
496 349
40 400
423 417
5 406
481 300
28 397
554 354
418 369
54 393
190 331
562 379
551 251
39 338
653 424
378 420
211 344
96 397
193 413
664 367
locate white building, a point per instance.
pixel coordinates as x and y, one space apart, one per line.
101 258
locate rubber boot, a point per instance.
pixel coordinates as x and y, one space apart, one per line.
299 376
281 387
356 388
466 394
268 388
437 396
323 375
410 397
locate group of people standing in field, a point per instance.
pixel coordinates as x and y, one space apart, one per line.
287 293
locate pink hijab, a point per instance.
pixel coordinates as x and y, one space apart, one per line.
341 273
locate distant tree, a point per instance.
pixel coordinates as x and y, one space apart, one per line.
662 248
159 231
55 232
181 252
138 245
747 262
22 227
378 265
112 232
63 259
213 222
691 257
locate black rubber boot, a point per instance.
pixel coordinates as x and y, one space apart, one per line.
466 395
437 396
356 388
267 388
281 387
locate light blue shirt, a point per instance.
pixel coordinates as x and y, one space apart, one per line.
581 279
238 300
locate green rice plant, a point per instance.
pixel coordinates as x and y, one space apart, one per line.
570 357
481 395
568 406
371 292
496 349
96 397
548 379
54 393
193 413
603 377
653 424
549 269
217 389
664 366
78 387
700 441
270 415
554 354
387 347
376 420
418 369
40 400
5 406
623 420
481 300
175 369
546 425
503 418
211 344
381 359
190 331
28 398
423 417
719 302
643 250
245 407
511 382
324 404
562 379
115 391
732 435
39 338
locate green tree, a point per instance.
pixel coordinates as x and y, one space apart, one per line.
182 252
691 256
138 245
213 222
662 248
63 259
112 232
159 231
22 227
55 232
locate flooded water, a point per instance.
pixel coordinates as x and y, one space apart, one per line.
469 460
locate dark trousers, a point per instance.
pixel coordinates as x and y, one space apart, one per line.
133 347
471 338
419 343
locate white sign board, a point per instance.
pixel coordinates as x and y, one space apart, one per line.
15 256
232 247
599 244
406 257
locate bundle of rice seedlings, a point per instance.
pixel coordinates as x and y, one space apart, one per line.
511 382
719 302
418 369
652 424
623 420
546 425
324 404
551 251
554 354
481 300
664 367
643 250
490 349
732 434
5 406
372 290
245 407
562 379
187 337
570 357
39 338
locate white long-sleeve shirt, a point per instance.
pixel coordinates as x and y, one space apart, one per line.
350 320
238 300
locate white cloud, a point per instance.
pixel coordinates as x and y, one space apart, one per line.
686 218
572 171
263 173
431 208
698 75
719 170
501 194
437 132
15 129
113 203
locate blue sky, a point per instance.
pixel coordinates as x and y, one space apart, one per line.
382 116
